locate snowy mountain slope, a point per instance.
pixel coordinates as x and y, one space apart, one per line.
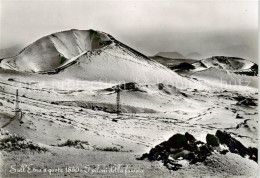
230 64
89 55
223 77
53 50
221 70
112 64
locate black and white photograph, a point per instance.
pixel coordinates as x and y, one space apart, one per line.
129 88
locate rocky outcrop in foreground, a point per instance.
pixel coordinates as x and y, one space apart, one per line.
186 147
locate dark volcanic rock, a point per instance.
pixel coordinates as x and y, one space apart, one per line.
254 69
186 147
243 101
177 141
178 146
223 152
253 153
212 140
204 152
233 145
10 79
190 137
246 102
239 98
239 117
237 147
183 66
160 86
131 86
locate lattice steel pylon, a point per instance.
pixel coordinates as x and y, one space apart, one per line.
118 105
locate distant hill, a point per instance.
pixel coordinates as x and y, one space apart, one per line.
172 55
234 65
169 62
171 59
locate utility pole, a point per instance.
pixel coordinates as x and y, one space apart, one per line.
118 105
16 101
18 111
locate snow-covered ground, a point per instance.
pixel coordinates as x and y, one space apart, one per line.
78 103
54 114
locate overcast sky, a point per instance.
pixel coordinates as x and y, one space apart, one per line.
148 26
